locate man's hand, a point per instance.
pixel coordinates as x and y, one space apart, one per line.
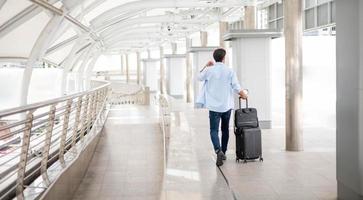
243 95
209 63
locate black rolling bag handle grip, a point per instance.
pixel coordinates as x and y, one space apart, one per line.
240 103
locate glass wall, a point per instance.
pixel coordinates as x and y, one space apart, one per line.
317 14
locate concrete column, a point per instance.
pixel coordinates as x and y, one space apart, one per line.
252 64
127 68
223 29
250 17
175 75
189 71
349 41
174 48
294 74
138 68
162 71
203 38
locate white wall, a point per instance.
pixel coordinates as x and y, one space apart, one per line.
319 61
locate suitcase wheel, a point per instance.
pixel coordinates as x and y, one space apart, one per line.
261 159
237 160
245 161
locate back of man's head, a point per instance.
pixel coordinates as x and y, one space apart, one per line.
219 55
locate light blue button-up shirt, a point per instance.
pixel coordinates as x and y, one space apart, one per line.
220 82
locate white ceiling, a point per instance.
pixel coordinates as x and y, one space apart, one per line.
112 25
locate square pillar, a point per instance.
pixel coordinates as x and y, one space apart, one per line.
349 107
175 74
151 73
251 62
200 57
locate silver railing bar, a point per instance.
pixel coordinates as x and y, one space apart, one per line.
34 128
47 135
13 125
30 155
34 160
35 106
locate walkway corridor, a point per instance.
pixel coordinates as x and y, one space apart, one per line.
128 162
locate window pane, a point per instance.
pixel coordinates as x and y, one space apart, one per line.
310 3
280 24
272 25
271 12
323 15
280 10
309 19
332 11
323 1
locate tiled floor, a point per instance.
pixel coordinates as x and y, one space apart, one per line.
308 175
128 162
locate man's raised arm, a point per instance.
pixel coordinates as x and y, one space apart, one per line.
202 75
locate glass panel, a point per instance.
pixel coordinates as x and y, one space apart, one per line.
332 11
322 1
280 10
310 3
11 8
323 15
271 12
309 18
280 24
272 25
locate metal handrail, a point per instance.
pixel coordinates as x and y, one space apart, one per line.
34 106
47 131
139 96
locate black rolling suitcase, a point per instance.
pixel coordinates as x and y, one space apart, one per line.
248 134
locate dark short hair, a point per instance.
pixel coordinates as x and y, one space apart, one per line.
219 54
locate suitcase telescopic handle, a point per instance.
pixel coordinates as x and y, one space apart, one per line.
240 99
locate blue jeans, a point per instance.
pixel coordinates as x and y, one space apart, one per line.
214 119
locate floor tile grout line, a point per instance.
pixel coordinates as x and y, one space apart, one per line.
226 180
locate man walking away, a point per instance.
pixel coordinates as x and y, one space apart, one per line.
220 82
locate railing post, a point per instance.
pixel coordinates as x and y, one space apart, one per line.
90 112
24 155
147 96
99 104
96 105
76 123
47 142
104 97
84 117
65 131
